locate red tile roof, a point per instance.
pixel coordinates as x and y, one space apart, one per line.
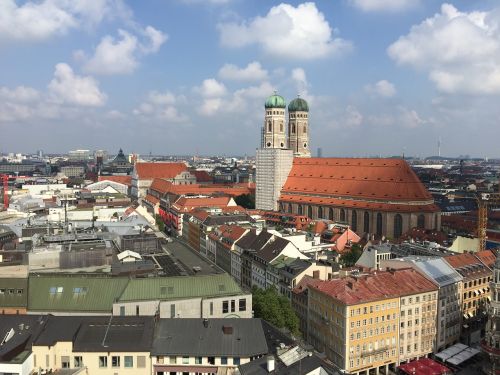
336 179
376 286
425 366
162 186
126 180
462 260
152 199
186 204
202 176
487 257
148 171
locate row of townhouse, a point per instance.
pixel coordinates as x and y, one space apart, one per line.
373 322
262 258
430 303
41 344
207 296
465 277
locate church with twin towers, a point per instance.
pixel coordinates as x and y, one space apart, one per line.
375 196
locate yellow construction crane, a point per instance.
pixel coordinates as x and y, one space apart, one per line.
484 201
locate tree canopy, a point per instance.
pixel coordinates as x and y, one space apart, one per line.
245 200
274 308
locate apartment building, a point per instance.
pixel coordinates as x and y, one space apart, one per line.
450 285
356 320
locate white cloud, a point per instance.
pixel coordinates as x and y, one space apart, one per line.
286 31
21 94
121 56
401 117
40 20
211 88
252 72
382 88
162 106
67 87
460 51
384 5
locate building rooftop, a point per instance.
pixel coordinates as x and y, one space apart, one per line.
435 269
209 337
149 171
375 286
181 287
74 293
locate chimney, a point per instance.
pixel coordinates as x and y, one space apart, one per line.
270 363
205 323
228 330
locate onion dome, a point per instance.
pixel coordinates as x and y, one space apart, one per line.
298 104
275 101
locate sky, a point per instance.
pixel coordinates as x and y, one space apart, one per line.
382 77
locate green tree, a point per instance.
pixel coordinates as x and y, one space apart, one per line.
350 258
275 309
245 200
159 223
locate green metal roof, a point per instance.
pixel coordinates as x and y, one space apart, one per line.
298 104
180 287
74 293
275 101
13 292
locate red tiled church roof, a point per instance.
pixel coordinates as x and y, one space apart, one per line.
370 179
149 171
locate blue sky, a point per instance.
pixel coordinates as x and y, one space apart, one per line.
382 77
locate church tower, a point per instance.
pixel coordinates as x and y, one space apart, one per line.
273 131
298 127
491 343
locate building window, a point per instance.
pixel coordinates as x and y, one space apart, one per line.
198 360
173 360
137 310
115 361
398 226
330 214
78 361
236 361
141 361
233 305
342 214
310 212
172 311
366 222
379 224
320 212
211 360
128 361
305 129
354 221
281 127
421 221
293 128
299 209
242 304
211 308
269 126
225 307
103 361
223 360
185 360
65 361
122 310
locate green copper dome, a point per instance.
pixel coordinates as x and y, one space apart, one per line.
275 101
298 104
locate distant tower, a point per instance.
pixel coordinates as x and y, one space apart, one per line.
320 152
273 131
491 343
298 127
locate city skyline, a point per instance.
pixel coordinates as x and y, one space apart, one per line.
191 77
